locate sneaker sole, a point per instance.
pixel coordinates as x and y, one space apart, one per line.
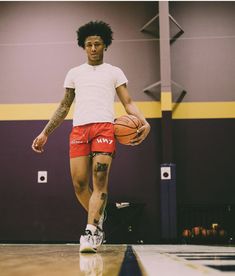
87 249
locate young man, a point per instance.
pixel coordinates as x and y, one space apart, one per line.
93 85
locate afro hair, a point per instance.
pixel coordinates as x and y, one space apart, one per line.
98 28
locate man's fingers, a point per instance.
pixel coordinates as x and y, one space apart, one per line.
36 146
141 129
139 138
36 149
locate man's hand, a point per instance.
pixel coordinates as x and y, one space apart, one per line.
39 142
142 133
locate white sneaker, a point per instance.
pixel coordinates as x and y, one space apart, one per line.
98 237
88 243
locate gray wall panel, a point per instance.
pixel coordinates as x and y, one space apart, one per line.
38 46
203 58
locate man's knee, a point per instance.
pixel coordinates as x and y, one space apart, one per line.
79 185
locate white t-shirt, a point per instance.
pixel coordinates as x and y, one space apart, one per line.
95 88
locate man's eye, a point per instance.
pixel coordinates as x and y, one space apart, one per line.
90 45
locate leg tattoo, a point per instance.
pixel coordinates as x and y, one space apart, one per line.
96 222
104 198
100 173
101 167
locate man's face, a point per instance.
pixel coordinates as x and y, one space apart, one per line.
94 47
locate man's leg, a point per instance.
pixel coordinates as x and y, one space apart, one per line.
80 168
94 236
100 171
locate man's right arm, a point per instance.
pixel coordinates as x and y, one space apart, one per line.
57 118
61 112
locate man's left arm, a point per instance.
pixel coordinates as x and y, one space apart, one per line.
132 109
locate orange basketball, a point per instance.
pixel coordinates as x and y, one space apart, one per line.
125 128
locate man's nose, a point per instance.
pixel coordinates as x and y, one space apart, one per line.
93 48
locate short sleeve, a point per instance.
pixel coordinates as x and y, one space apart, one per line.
120 77
69 80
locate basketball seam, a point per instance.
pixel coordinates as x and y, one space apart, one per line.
123 135
125 126
134 122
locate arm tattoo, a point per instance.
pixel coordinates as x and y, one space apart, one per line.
61 112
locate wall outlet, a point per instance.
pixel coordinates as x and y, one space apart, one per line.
165 173
42 176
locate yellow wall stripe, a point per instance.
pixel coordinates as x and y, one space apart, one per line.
166 101
27 111
188 110
10 112
204 110
149 109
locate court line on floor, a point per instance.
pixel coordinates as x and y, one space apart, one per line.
162 263
130 265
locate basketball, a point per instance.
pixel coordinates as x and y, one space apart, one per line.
125 128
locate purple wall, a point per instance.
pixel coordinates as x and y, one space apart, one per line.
203 151
49 211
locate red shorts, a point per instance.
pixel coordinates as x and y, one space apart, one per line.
96 137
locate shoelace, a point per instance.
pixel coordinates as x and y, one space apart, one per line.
88 235
97 238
